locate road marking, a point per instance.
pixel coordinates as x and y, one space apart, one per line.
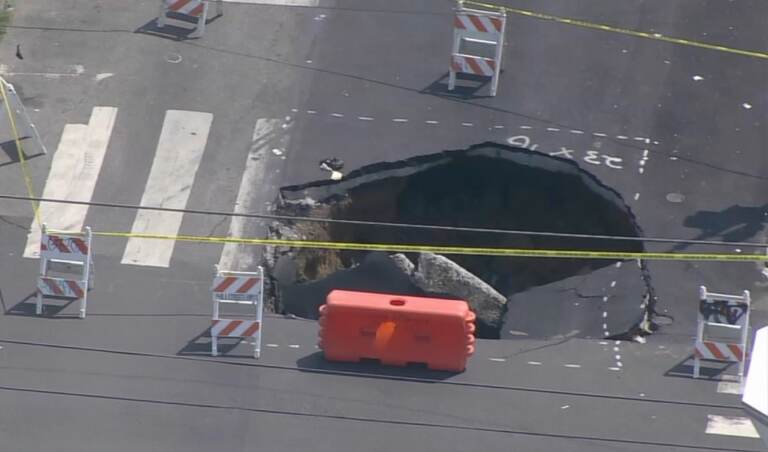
294 346
731 426
70 70
572 366
74 171
615 369
578 132
534 363
308 3
432 122
178 155
399 120
337 115
498 360
236 256
729 387
272 345
552 129
467 124
365 118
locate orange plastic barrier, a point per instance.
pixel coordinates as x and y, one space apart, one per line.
397 330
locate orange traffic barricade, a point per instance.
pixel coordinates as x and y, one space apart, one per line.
397 330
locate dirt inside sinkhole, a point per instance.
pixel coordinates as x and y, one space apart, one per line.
487 186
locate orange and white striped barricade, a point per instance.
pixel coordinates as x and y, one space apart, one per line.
188 9
68 251
722 332
477 27
240 288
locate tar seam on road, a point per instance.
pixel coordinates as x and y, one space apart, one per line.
434 381
624 31
386 224
367 420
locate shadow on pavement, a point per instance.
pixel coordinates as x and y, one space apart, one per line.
172 31
200 345
734 224
370 369
9 147
462 90
26 308
710 370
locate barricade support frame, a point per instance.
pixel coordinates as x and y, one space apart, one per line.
702 324
257 301
47 257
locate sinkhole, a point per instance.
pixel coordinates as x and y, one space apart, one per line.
489 186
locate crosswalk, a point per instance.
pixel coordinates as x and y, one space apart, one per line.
76 166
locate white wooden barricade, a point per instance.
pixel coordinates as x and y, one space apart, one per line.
722 332
240 288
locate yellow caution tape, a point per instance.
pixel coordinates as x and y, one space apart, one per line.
625 31
476 251
20 150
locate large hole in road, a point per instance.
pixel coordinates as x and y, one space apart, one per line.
488 186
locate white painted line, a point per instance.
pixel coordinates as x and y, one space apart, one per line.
731 426
579 132
179 152
603 343
605 299
526 127
637 196
642 162
645 154
498 360
599 134
399 120
621 137
618 357
74 171
619 364
272 345
534 363
605 314
69 70
294 110
498 127
236 256
308 3
337 115
467 124
311 112
616 369
572 366
365 118
729 387
294 346
565 407
552 129
613 283
639 138
432 122
605 326
618 264
641 170
606 333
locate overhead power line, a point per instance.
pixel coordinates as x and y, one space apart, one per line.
390 224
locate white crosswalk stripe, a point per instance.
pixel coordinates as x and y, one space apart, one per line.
179 152
74 171
731 426
237 257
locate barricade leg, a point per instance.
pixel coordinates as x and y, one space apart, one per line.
83 303
161 15
451 80
39 303
200 29
214 346
696 367
219 8
257 346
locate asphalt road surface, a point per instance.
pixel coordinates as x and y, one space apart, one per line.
138 115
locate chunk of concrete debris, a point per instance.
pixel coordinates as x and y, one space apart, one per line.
440 275
403 263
